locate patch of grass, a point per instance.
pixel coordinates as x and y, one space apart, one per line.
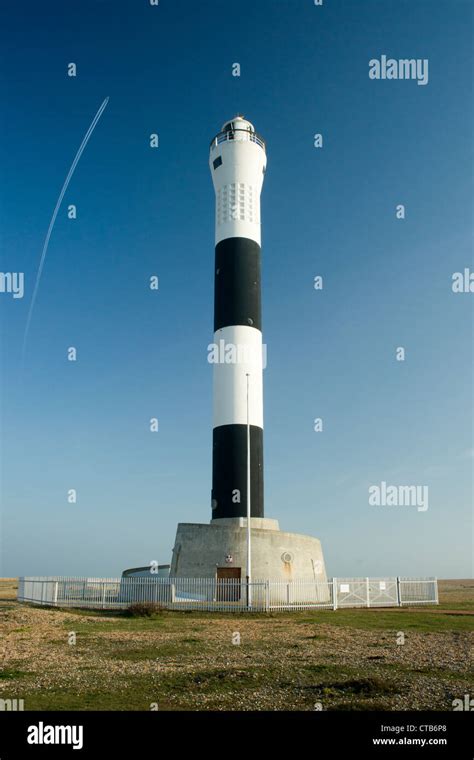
320 668
371 686
228 688
13 674
441 673
215 681
397 619
131 693
127 625
134 654
177 648
88 612
455 606
221 684
171 692
179 615
403 619
346 689
140 654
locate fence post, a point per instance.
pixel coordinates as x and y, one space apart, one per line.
334 593
435 581
267 595
103 596
399 596
367 583
173 593
55 594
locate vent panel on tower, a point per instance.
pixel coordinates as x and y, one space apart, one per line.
237 202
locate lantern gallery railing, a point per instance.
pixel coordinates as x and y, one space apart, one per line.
244 134
221 595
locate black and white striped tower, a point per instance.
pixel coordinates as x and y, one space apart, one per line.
237 162
231 547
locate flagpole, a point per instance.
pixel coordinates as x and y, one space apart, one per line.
249 556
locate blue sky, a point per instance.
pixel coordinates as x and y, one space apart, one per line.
329 212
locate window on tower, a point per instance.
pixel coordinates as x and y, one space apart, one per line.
217 162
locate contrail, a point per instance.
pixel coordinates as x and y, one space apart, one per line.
53 218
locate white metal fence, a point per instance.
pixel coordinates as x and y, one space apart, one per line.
219 595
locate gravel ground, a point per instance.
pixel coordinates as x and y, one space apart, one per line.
190 662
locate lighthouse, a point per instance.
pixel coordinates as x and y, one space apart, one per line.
237 161
239 536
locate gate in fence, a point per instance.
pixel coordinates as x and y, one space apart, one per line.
369 592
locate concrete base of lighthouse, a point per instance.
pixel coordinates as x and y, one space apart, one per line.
219 551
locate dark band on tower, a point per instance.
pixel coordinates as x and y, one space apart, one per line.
237 162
